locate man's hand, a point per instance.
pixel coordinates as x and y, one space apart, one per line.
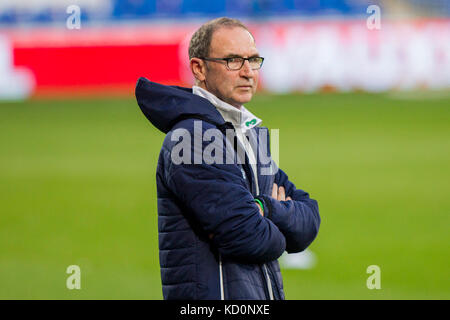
260 209
279 193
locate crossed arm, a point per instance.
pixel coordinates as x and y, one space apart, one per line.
228 214
216 197
294 213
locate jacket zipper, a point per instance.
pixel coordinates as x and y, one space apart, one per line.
254 185
269 283
222 292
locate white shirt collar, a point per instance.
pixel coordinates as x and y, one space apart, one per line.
241 118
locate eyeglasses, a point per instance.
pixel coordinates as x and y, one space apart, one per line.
236 63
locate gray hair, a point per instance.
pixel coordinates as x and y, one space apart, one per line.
201 39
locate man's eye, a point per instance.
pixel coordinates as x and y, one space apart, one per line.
255 60
235 59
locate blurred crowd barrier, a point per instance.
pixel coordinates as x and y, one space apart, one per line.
299 56
346 55
47 11
70 56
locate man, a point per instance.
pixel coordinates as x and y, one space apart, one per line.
222 225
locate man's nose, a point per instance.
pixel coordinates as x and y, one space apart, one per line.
246 70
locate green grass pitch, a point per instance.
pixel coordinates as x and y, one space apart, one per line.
78 188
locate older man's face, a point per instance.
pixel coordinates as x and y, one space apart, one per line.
235 87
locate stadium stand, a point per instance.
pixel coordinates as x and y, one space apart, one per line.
14 12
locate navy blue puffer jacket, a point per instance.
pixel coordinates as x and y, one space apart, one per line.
213 242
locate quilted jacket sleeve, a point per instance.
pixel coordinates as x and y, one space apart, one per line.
298 220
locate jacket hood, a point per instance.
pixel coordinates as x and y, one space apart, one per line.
164 106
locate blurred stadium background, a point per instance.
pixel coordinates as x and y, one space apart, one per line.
78 159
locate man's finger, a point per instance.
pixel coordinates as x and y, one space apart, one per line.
275 191
281 194
288 198
261 212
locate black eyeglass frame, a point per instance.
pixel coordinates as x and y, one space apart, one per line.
228 59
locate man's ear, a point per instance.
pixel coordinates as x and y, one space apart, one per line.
198 68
